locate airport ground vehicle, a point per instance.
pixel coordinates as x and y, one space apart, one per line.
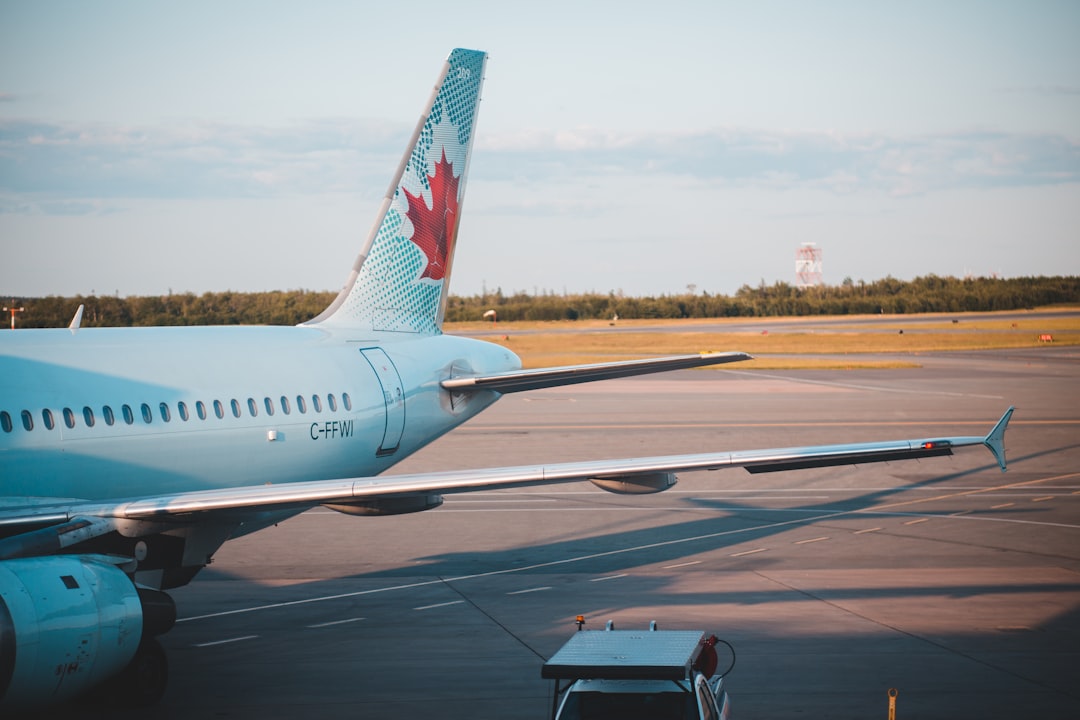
638 674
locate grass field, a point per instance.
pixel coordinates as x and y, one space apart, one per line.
818 342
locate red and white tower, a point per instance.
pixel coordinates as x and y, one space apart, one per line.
808 265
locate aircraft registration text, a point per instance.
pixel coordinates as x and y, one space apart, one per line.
331 429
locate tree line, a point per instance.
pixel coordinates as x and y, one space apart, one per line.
889 295
218 308
921 295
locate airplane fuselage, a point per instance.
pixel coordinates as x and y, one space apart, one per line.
109 413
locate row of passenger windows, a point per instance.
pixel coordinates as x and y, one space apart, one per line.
165 411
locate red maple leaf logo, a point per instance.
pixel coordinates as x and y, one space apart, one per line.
433 229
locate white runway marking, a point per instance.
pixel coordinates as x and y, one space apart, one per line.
873 388
530 590
748 552
679 565
223 642
811 540
462 501
619 508
335 622
439 605
608 577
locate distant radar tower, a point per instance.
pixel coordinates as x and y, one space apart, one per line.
808 266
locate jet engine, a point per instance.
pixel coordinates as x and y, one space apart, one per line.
69 623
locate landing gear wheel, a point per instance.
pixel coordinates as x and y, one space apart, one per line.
142 683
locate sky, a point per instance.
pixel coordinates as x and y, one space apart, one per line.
645 148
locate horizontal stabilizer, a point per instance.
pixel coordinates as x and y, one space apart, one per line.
519 380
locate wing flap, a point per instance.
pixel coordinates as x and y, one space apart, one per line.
829 459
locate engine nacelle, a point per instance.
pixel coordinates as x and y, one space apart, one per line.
390 505
67 624
636 484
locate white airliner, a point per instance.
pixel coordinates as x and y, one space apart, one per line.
129 455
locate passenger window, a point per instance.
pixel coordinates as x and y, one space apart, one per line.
27 420
5 421
346 400
147 416
181 407
165 414
316 403
219 409
107 413
88 416
284 404
129 417
252 407
332 402
269 406
200 409
47 418
69 418
235 407
300 404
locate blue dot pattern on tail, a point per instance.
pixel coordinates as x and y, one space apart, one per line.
394 289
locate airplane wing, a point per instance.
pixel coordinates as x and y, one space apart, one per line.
519 380
634 475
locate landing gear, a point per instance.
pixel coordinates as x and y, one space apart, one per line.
147 676
142 683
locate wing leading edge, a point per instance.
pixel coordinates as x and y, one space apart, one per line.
649 474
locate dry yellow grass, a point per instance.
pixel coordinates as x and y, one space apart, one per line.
543 344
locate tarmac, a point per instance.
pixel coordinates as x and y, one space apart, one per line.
944 579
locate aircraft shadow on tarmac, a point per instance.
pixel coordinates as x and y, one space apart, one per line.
626 549
1031 669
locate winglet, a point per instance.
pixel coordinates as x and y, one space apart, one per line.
995 439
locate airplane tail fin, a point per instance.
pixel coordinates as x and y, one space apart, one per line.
399 280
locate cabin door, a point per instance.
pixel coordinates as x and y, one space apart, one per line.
393 397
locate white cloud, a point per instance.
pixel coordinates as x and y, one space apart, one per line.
43 163
47 166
